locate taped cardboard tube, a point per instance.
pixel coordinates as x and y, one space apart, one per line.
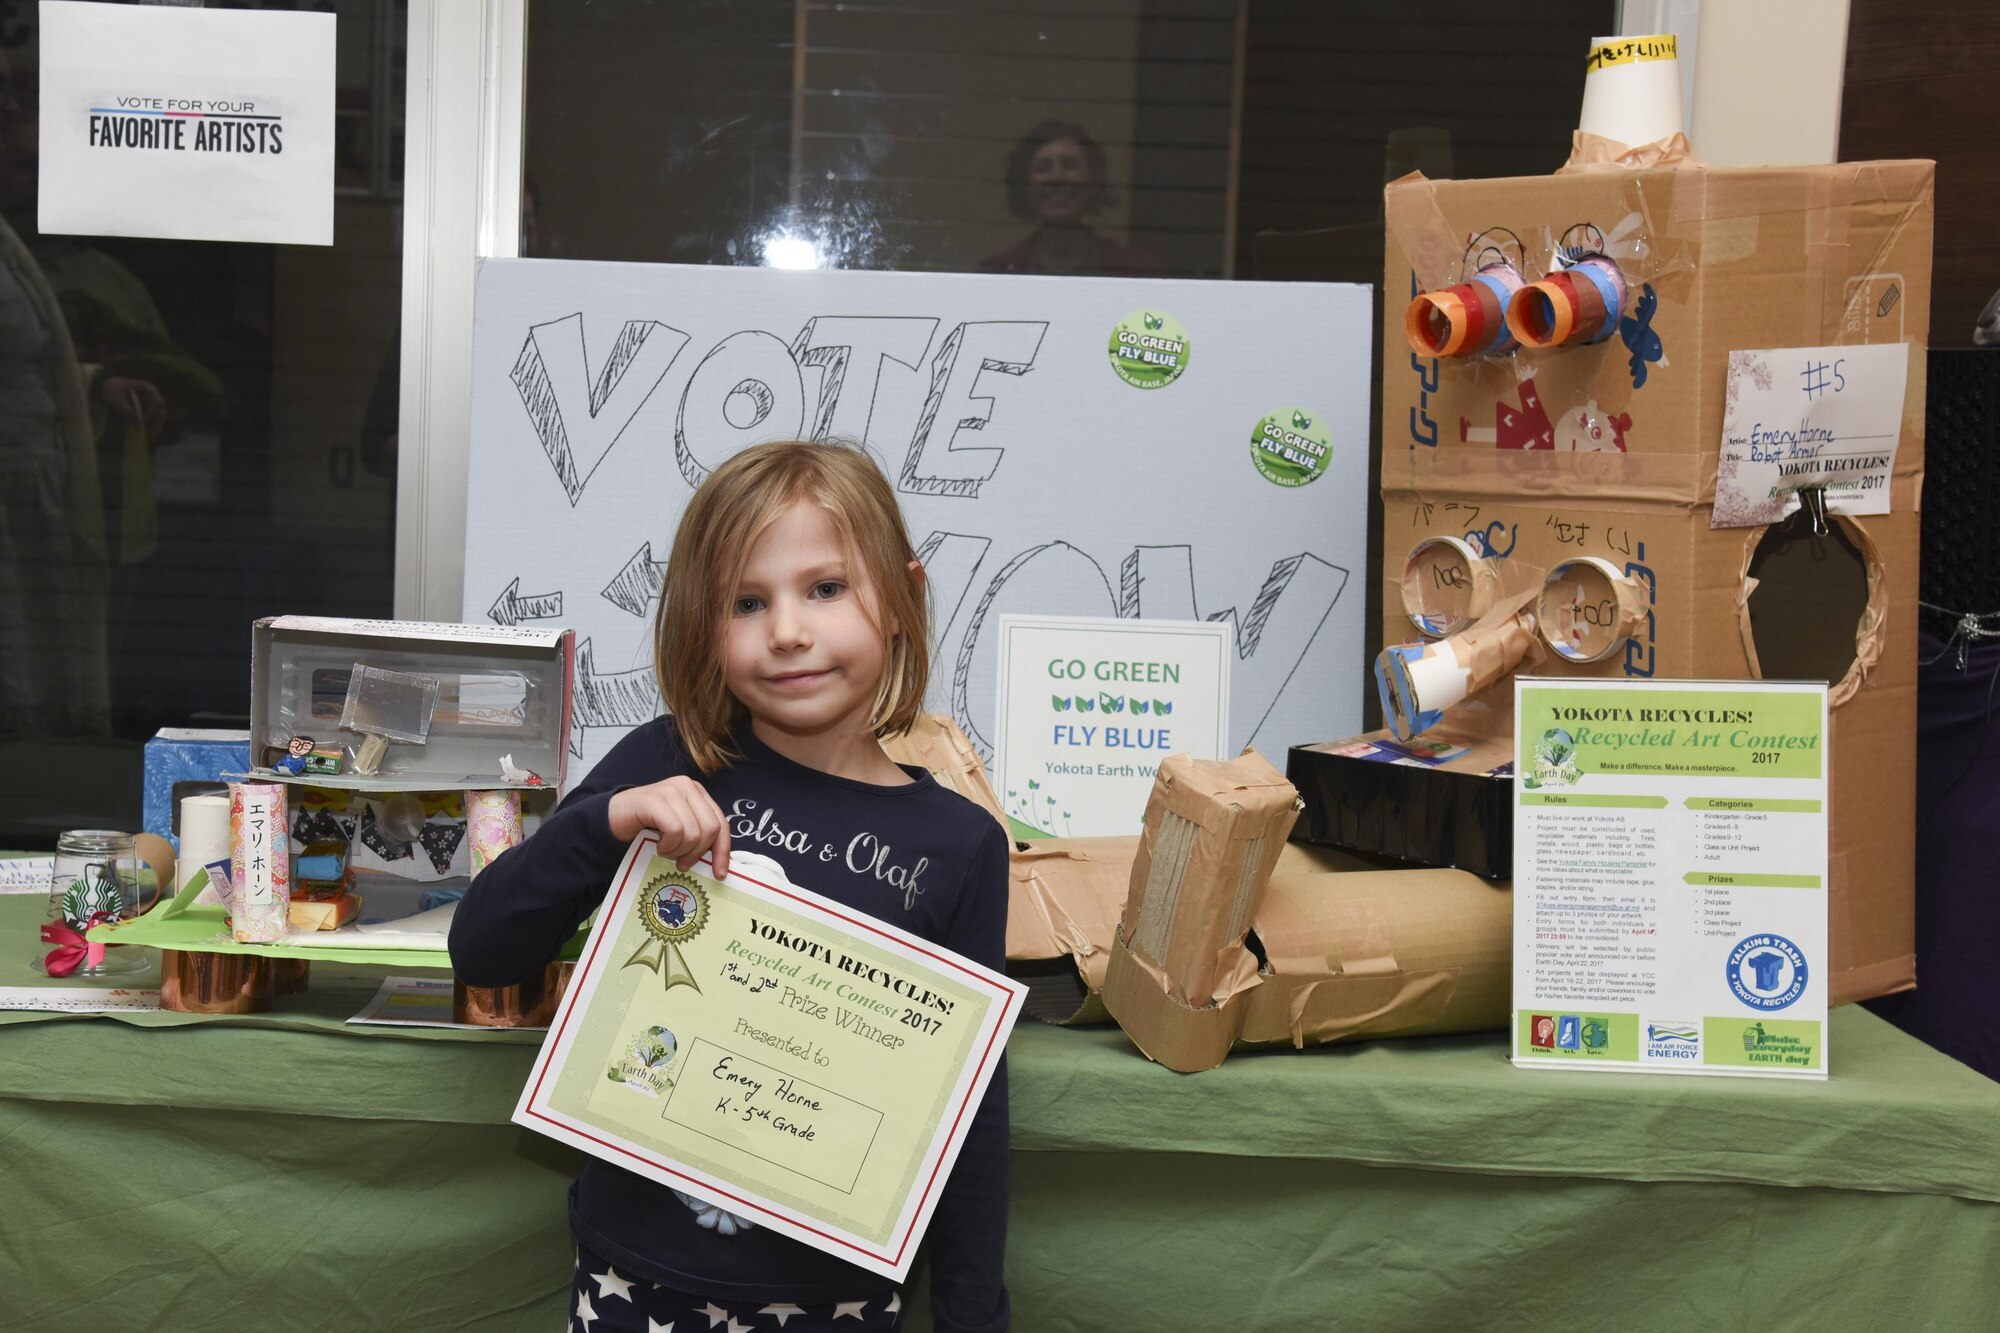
1418 681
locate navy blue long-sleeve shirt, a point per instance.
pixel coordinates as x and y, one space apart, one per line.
917 855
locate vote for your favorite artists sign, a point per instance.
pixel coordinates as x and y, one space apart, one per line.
1670 877
783 1058
1089 707
186 123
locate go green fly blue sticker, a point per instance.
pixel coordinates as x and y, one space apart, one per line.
1149 349
1291 447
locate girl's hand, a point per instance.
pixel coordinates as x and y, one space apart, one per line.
682 812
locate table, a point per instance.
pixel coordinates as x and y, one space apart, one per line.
288 1172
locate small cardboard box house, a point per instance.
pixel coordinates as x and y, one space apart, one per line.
497 712
1610 451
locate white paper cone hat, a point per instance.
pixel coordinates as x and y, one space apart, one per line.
1632 89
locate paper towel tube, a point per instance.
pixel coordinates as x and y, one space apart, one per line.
204 834
1446 586
1588 608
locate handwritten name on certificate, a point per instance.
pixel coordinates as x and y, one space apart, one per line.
772 1052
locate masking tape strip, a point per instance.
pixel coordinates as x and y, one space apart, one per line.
1631 51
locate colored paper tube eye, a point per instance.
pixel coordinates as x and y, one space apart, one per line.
1469 319
1542 314
1436 323
1599 276
1588 609
1446 586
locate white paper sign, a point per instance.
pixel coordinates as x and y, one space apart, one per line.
189 124
1670 877
1800 417
1089 707
1044 465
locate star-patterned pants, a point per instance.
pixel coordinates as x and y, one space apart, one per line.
603 1300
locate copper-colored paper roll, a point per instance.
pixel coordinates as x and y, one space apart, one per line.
289 976
528 1004
214 983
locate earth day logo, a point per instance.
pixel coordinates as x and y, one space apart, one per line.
1555 761
1149 349
1291 447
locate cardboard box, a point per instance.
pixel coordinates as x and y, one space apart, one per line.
186 761
1446 800
1338 957
1065 896
936 744
503 700
1211 836
1065 900
1611 451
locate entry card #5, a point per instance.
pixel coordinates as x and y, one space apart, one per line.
771 1052
1087 708
1799 418
1670 877
186 123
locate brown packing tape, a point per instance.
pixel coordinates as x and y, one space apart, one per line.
1242 811
935 744
1335 1008
1592 152
1162 1025
1771 191
1607 477
1066 896
1870 632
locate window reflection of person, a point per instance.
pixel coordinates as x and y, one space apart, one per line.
53 559
1056 179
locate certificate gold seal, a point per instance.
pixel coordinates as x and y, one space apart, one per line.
673 907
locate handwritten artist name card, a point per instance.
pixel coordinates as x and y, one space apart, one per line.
187 124
1088 706
772 1052
1800 417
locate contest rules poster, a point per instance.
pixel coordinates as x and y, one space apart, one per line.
1107 447
769 1051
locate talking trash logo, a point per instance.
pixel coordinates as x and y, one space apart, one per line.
1149 349
1291 447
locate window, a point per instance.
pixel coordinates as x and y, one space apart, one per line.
193 434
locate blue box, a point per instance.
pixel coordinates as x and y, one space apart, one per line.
181 761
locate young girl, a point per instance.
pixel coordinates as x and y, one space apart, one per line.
792 636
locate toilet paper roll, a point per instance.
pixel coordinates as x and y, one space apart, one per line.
204 838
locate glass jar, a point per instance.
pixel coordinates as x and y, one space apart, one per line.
96 881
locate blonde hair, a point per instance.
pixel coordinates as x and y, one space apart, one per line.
728 513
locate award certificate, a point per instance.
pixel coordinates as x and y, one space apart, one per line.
771 1052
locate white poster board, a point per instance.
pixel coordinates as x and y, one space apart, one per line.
1089 708
188 124
1040 472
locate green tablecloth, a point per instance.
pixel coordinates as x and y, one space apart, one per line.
247 1173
